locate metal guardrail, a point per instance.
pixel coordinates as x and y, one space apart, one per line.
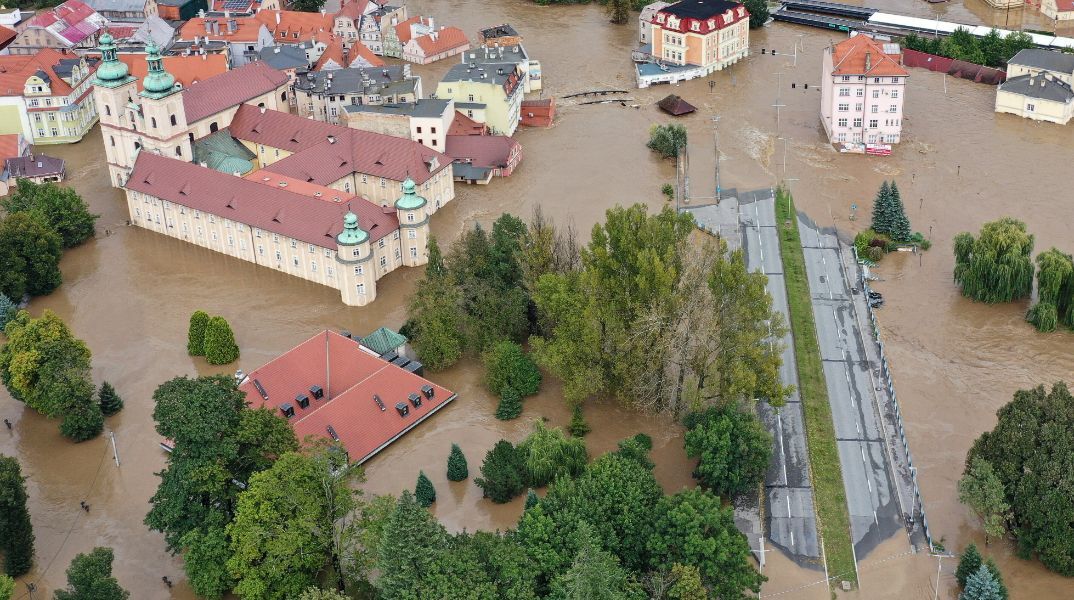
886 378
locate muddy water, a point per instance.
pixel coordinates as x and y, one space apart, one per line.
129 294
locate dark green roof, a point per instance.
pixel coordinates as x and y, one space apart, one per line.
383 340
221 152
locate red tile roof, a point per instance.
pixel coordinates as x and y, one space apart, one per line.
334 52
403 30
538 113
707 15
481 150
247 29
350 376
72 21
463 125
850 56
6 36
9 146
187 70
1064 5
353 9
325 153
210 96
305 24
442 40
16 68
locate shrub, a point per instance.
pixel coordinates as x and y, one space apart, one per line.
457 469
733 448
510 406
549 455
508 366
7 310
220 347
424 492
874 254
195 336
578 427
109 400
503 473
667 140
668 190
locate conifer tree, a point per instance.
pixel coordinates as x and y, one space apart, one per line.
968 564
109 400
7 311
992 568
882 209
578 427
195 336
220 346
424 492
510 406
532 499
900 225
981 586
17 541
457 469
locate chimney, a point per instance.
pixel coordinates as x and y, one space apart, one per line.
868 61
262 110
432 24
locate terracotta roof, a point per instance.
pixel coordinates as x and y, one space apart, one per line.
247 29
324 153
122 32
16 68
1064 5
212 95
334 52
850 57
349 376
278 210
538 113
7 36
187 70
305 24
481 150
442 40
403 30
463 125
9 146
353 9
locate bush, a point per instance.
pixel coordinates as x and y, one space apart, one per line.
532 499
549 455
510 406
195 337
220 347
424 492
667 140
874 254
733 448
109 400
578 427
503 473
82 417
668 191
872 245
7 310
508 366
457 470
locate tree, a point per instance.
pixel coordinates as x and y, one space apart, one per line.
618 11
435 322
17 541
996 266
274 557
595 573
1004 594
532 499
207 552
412 544
982 491
1015 42
503 472
692 528
550 455
578 427
307 5
61 208
435 267
758 10
108 399
993 48
82 417
505 563
508 366
7 311
889 216
686 583
1055 291
90 578
29 256
968 564
456 464
1031 451
981 586
961 45
220 346
315 593
195 337
424 492
510 406
733 448
7 587
667 140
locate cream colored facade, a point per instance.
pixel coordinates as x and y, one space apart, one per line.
1058 10
707 43
1034 108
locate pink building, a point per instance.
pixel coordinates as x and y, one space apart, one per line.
863 89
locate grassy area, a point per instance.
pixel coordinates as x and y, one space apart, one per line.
829 493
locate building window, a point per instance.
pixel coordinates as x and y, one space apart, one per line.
471 97
328 253
382 182
876 93
153 122
107 110
214 236
112 140
294 244
261 250
874 108
397 254
313 266
876 80
200 230
279 256
276 237
383 262
311 248
894 93
356 252
419 129
410 217
873 123
413 252
230 240
431 130
294 260
212 219
434 142
842 122
844 107
380 244
257 232
173 120
857 122
361 288
894 80
846 77
178 150
412 234
358 270
844 91
1030 107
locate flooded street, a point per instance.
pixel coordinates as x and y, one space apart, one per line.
955 362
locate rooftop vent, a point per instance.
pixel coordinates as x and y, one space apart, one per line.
379 402
317 392
427 391
415 400
303 401
403 409
331 139
332 432
261 390
287 410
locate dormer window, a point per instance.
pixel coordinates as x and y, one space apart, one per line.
659 18
712 23
695 26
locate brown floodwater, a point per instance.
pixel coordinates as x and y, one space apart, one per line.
129 293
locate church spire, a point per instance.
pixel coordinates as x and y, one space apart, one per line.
157 82
112 71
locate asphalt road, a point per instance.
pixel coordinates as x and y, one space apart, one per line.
872 499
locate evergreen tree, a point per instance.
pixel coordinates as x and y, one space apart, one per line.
618 11
424 492
82 417
410 547
457 469
578 427
195 337
900 225
16 533
220 346
90 578
968 564
882 209
981 586
109 400
595 574
510 406
7 310
758 10
532 499
508 366
503 473
992 568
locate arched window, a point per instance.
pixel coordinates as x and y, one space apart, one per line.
178 150
213 127
153 122
107 110
173 120
113 140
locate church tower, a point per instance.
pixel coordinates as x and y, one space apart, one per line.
162 110
357 280
412 211
113 90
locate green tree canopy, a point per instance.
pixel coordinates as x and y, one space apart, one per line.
667 140
108 399
1055 291
315 593
17 539
996 265
90 578
307 5
595 574
424 492
732 447
549 454
1031 451
220 346
503 472
510 405
758 10
457 469
7 587
508 366
981 586
206 554
968 564
195 337
29 256
982 491
618 11
412 544
889 216
59 207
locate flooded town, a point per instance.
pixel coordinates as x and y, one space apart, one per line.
541 110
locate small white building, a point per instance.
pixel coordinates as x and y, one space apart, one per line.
645 21
863 87
425 121
1038 86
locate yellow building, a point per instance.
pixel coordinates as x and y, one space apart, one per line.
489 93
48 97
710 34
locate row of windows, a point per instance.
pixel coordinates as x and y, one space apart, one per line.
875 79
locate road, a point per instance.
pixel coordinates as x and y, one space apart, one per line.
872 495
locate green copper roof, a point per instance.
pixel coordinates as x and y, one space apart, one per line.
383 340
410 199
157 82
112 71
221 152
352 234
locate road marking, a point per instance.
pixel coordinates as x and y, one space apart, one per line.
792 539
870 483
862 448
788 506
782 452
874 518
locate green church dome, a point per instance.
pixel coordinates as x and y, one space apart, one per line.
352 234
157 80
111 69
410 199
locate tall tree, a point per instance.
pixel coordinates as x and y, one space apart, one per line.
315 593
618 11
61 208
550 455
90 578
732 447
503 472
900 225
758 10
456 464
996 265
424 492
411 545
435 322
195 337
17 539
667 140
285 528
968 564
981 490
206 553
1004 594
82 417
981 586
29 256
108 399
1055 291
508 366
220 346
595 573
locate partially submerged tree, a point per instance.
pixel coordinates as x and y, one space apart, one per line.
503 473
195 337
220 346
424 492
457 469
732 448
17 541
981 586
30 254
61 208
758 10
1055 291
90 578
968 564
981 490
996 265
108 399
667 140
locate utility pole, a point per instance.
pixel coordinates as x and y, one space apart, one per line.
716 145
936 590
784 155
115 453
779 104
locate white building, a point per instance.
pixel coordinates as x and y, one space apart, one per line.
863 87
